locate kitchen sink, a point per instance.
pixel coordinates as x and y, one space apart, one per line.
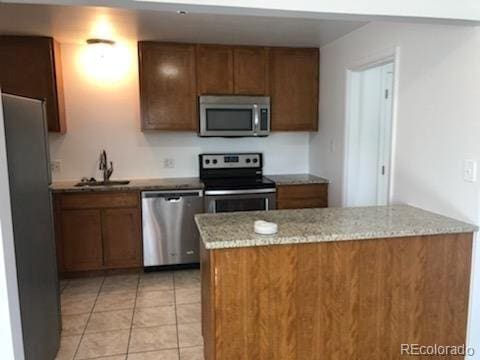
103 183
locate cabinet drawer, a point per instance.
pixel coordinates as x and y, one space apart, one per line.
99 200
302 196
307 191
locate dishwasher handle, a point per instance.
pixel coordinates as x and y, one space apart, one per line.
171 196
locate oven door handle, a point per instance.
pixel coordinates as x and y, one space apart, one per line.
240 192
256 118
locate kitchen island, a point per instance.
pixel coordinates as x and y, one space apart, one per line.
351 283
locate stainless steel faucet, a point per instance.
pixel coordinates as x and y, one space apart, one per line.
107 171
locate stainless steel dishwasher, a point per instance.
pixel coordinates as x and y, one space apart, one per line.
170 236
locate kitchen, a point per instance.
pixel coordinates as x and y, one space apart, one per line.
148 118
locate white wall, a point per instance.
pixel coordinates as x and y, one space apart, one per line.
100 116
11 343
437 120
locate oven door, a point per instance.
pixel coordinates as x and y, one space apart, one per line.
222 201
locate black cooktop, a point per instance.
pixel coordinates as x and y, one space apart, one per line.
238 183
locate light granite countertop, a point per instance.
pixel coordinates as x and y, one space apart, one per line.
176 183
230 230
297 179
136 184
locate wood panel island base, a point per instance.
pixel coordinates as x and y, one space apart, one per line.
333 283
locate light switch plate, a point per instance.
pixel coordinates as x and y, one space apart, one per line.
332 146
470 170
168 163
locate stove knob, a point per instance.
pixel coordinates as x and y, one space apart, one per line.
207 161
255 160
248 161
215 161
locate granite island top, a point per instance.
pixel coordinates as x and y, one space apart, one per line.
231 230
135 184
297 179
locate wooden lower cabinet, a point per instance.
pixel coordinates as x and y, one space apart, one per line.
302 196
121 233
81 240
98 231
358 299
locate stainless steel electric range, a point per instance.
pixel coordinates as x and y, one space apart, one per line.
235 182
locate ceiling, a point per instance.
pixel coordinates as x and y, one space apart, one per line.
73 24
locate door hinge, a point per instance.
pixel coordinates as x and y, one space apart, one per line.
383 170
386 93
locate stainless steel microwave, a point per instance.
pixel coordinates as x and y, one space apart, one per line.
234 116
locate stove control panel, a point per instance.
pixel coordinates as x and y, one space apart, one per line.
228 161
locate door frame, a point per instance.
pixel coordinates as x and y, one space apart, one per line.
390 55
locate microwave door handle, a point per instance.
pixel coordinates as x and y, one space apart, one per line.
267 205
256 118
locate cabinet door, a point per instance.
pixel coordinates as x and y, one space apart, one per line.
122 242
30 66
81 240
168 86
250 70
294 89
214 69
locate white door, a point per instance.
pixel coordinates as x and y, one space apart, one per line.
369 136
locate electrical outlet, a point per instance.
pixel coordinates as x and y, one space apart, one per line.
332 146
470 170
169 163
56 166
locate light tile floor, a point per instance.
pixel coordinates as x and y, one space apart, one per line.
153 316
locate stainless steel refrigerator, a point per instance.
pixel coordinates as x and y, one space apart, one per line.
29 178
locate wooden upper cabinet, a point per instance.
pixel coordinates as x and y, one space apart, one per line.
215 70
250 70
293 79
172 76
227 70
168 96
31 66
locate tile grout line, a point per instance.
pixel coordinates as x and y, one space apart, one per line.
88 320
133 316
141 352
136 291
176 317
